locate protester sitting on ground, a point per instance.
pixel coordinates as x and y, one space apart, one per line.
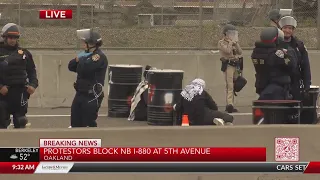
139 102
200 107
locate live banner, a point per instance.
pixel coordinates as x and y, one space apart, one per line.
160 167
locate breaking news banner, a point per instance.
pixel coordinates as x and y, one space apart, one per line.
51 143
91 150
164 167
153 154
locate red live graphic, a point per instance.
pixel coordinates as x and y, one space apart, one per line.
55 14
153 154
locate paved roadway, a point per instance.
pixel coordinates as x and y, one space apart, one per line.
60 118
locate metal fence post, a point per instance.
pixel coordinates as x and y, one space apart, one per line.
78 20
19 14
291 4
318 26
162 14
200 24
277 4
92 14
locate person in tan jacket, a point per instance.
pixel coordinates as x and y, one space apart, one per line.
276 14
230 52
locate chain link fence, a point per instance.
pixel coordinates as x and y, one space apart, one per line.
152 24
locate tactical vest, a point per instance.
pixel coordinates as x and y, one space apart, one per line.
16 70
259 58
3 65
262 74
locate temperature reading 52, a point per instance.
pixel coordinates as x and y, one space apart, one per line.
24 156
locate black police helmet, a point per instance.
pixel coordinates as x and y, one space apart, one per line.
95 38
228 27
274 15
89 36
10 29
271 35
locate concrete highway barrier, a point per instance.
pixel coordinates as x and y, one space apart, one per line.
56 90
56 81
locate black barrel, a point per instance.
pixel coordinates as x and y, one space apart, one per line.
276 112
309 114
164 91
123 81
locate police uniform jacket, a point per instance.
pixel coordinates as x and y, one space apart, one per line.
90 70
302 72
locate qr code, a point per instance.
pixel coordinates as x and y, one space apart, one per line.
287 149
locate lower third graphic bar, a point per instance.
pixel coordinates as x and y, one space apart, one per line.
255 167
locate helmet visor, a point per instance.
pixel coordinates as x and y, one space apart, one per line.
11 29
233 35
84 34
285 12
287 21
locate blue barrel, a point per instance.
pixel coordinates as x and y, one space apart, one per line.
164 91
122 83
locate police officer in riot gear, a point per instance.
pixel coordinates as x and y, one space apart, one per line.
275 15
231 62
301 78
90 66
273 66
18 79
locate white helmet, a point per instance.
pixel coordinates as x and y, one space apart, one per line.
287 21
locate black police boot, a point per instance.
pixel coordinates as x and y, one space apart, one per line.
5 124
20 122
231 109
235 110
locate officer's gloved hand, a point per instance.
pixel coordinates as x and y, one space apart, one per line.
84 54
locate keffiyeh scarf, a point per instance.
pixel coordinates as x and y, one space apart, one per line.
196 87
143 86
